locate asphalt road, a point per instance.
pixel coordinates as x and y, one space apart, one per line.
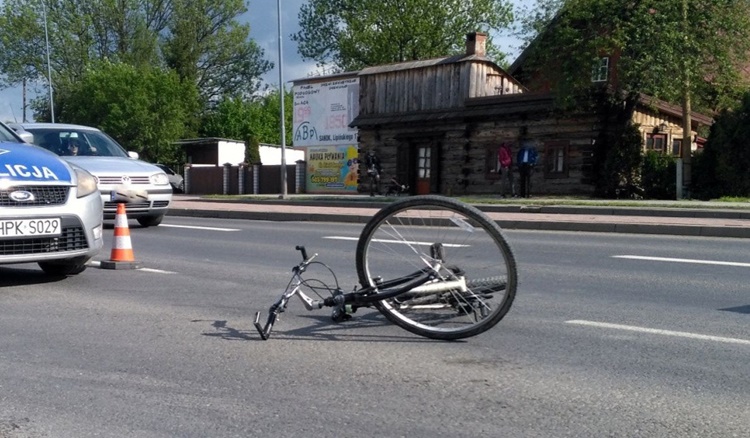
610 335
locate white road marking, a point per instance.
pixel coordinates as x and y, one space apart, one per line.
194 227
158 271
448 245
659 332
98 264
673 260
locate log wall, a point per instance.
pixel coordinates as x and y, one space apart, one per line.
437 87
463 151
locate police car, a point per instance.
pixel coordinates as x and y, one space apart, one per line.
50 210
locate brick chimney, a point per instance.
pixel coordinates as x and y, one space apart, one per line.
475 44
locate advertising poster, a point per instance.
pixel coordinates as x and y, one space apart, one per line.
323 111
332 169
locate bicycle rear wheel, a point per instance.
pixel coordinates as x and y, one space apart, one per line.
475 266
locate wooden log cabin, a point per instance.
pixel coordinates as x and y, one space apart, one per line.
437 125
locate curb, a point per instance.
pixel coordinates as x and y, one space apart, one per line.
510 224
713 213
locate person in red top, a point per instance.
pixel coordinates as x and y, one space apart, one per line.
505 167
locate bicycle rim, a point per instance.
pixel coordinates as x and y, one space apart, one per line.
475 266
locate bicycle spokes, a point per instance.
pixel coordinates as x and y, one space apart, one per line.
461 244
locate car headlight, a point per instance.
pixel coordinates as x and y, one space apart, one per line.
86 183
159 179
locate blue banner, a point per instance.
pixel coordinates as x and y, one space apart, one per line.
27 163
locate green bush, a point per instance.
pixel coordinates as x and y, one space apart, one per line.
658 176
252 150
721 169
618 175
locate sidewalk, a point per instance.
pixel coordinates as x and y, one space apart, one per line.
646 217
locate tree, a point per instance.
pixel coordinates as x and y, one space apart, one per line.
351 34
201 40
254 121
618 171
265 111
665 48
21 62
144 108
206 45
79 32
687 52
722 166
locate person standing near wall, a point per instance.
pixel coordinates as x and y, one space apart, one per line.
526 160
373 171
505 161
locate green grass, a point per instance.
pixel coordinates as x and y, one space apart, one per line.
732 199
723 203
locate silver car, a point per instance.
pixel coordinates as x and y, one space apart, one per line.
50 210
143 185
175 179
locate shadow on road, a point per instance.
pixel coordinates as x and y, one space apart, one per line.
321 329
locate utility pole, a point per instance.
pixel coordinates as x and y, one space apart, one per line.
281 99
23 102
49 69
683 185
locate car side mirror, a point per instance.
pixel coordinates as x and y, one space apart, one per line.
133 155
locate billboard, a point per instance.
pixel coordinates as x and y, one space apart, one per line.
332 169
323 111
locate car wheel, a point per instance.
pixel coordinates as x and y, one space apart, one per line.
150 221
57 268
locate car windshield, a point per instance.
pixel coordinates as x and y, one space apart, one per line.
166 169
70 142
7 135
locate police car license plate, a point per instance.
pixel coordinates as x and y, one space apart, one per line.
30 227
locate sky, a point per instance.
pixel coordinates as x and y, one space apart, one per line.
263 19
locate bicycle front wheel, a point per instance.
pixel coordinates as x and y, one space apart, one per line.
474 265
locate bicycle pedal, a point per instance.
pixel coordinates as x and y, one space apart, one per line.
340 316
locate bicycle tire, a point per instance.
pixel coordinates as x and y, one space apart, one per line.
416 232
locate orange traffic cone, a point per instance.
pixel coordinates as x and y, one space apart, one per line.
122 250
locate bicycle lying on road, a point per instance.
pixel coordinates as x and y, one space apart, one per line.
432 265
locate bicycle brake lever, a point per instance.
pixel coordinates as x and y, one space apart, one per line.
302 249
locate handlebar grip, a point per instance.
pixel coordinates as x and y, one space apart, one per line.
302 249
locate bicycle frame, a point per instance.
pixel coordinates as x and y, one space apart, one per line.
346 303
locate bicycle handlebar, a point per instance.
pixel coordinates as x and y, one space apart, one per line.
302 249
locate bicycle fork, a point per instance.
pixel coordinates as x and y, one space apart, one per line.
280 306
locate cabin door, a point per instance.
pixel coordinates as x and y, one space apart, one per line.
417 165
424 169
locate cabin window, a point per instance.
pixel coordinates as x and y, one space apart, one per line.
677 147
556 157
656 142
600 72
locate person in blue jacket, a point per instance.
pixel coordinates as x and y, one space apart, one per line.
526 161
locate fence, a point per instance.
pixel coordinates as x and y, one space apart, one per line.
238 180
